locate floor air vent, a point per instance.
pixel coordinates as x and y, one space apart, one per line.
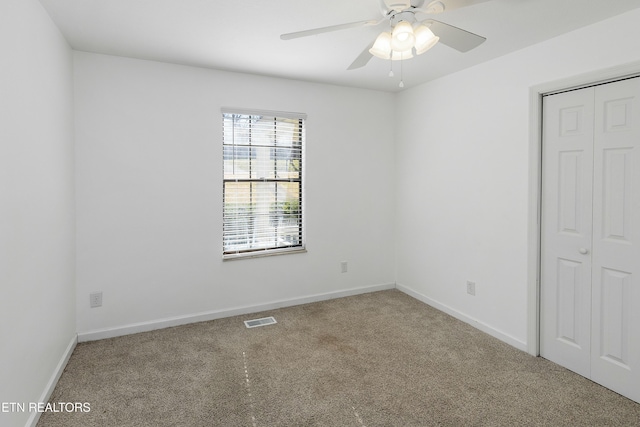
260 322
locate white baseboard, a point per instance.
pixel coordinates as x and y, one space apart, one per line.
218 314
51 384
520 345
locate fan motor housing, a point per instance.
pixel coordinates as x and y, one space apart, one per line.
399 5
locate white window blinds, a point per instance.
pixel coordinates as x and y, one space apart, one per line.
262 183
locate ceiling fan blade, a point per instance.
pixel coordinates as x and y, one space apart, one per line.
439 6
362 59
331 28
454 37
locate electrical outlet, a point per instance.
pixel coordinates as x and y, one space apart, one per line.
343 266
95 299
471 287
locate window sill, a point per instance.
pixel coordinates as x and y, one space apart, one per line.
233 257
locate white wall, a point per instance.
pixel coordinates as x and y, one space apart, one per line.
149 191
37 301
462 161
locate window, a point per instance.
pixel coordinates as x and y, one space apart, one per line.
262 182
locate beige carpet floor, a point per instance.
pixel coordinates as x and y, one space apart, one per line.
379 359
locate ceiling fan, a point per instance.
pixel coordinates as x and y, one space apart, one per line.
408 34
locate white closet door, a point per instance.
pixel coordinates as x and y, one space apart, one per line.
567 229
590 292
615 361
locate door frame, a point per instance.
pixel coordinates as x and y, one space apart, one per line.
535 181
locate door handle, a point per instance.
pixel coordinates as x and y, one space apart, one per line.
583 251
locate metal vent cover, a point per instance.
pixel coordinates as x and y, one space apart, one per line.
254 323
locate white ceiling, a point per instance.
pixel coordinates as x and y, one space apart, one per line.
243 35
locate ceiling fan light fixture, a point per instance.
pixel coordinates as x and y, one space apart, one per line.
402 37
382 46
425 39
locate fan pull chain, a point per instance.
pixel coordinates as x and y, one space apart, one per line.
401 77
391 54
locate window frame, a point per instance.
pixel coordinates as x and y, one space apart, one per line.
300 246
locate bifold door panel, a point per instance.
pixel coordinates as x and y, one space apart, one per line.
590 300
